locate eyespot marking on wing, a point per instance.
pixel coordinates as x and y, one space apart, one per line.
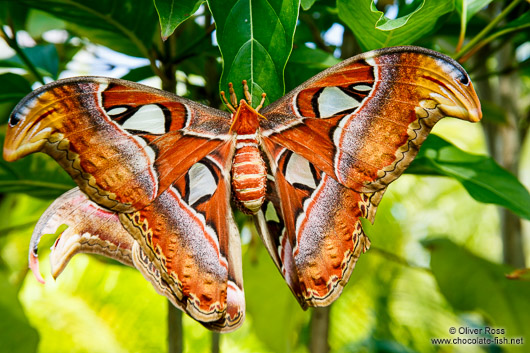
117 110
299 172
361 87
333 100
149 118
201 183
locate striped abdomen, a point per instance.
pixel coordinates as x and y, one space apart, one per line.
249 174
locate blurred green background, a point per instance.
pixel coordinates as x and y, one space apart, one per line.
446 234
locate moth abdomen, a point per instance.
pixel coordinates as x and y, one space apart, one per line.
249 175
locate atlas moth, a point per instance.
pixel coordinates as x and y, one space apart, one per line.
156 173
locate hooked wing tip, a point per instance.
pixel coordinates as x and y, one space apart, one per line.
34 266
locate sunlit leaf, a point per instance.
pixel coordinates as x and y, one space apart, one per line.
482 177
306 4
94 299
373 31
39 22
255 39
473 283
471 6
173 12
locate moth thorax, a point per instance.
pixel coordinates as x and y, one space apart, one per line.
249 177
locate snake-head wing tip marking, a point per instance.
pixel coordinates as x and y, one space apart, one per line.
34 266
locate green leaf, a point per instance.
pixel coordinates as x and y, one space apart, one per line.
471 7
255 39
373 30
36 175
469 282
482 177
172 13
40 22
13 13
16 334
43 57
13 88
306 4
127 26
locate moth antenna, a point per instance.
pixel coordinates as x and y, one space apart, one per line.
248 96
233 97
230 107
263 95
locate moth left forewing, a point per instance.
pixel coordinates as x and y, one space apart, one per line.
189 234
318 237
363 120
123 143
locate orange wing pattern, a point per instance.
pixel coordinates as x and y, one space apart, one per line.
335 143
110 133
367 116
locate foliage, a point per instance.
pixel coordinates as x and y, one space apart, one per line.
401 294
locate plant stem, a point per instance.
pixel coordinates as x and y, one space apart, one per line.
216 338
491 38
486 30
175 335
463 24
319 330
167 73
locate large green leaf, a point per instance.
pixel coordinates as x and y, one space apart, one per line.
127 26
472 283
471 7
255 39
36 175
172 13
373 30
16 334
40 22
482 177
